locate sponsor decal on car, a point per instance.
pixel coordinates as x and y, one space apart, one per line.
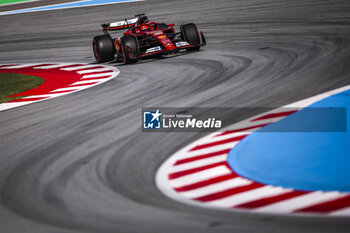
181 43
123 23
154 49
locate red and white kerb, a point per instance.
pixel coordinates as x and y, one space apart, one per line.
60 79
200 175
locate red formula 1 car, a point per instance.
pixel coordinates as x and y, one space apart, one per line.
144 39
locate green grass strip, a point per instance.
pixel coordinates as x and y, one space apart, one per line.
11 84
12 1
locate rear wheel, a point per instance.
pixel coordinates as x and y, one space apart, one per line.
190 34
130 49
103 48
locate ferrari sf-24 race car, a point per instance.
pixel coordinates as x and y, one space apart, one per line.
144 39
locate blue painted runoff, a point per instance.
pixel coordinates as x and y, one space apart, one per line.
308 150
68 5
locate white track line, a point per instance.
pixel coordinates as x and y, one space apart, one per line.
251 195
198 163
65 89
94 70
342 212
79 67
217 187
207 150
54 66
223 137
97 75
20 66
59 7
5 106
299 202
42 96
86 81
200 176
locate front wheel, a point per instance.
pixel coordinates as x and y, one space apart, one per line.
103 47
130 49
191 35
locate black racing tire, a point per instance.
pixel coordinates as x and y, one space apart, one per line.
204 41
191 35
130 49
104 49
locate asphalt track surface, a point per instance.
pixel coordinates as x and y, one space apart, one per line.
80 163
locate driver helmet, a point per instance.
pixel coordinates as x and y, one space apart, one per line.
144 28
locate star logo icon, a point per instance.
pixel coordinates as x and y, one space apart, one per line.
152 119
156 115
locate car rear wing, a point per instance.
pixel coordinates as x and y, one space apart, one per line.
119 25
